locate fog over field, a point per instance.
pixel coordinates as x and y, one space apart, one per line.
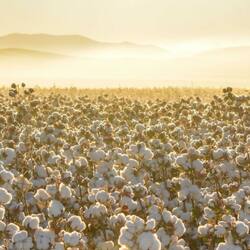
73 60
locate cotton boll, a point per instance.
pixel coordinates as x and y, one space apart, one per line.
102 196
107 245
72 239
96 211
97 155
208 213
12 228
197 165
228 246
65 191
5 196
31 222
41 171
179 228
51 189
6 176
8 155
166 215
76 223
241 228
218 154
163 237
220 231
149 241
44 239
20 240
59 246
150 225
42 195
55 208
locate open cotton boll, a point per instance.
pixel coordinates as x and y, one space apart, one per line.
150 224
2 212
8 155
31 221
183 161
241 228
51 189
102 196
208 213
12 228
21 241
97 155
6 176
163 237
76 223
42 195
44 239
65 191
55 208
41 171
197 165
59 246
220 230
149 241
96 211
146 153
218 154
107 245
72 239
5 196
227 246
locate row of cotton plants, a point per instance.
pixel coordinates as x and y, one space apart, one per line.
117 173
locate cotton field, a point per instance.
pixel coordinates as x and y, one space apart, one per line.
116 173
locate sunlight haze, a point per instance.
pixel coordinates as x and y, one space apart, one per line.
163 40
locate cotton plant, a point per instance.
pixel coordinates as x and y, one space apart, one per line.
109 172
138 234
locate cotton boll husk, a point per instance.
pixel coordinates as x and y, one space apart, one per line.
5 196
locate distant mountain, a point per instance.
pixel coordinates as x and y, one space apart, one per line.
31 54
70 44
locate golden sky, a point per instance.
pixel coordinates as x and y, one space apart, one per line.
160 22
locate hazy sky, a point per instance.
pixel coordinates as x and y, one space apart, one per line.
142 21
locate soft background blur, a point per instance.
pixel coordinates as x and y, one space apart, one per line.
117 43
